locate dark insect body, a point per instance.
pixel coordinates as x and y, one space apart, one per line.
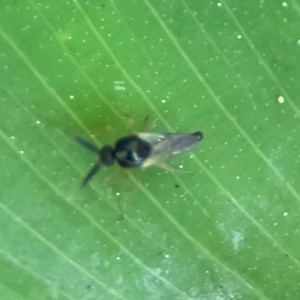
140 150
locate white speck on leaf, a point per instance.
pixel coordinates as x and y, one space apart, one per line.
120 88
280 99
119 85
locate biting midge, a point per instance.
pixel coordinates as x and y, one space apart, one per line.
140 150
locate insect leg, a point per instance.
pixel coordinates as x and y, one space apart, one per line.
130 124
148 126
135 177
169 168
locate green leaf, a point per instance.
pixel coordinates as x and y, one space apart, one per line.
227 68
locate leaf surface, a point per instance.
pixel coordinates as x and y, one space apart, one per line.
226 68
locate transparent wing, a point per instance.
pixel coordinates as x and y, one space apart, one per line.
151 137
169 144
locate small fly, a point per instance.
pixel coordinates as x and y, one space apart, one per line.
141 150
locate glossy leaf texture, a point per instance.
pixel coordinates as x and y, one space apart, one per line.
227 68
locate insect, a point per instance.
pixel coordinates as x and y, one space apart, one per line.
141 150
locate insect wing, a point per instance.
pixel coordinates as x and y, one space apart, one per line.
179 143
152 138
166 145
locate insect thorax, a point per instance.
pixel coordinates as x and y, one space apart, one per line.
132 151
